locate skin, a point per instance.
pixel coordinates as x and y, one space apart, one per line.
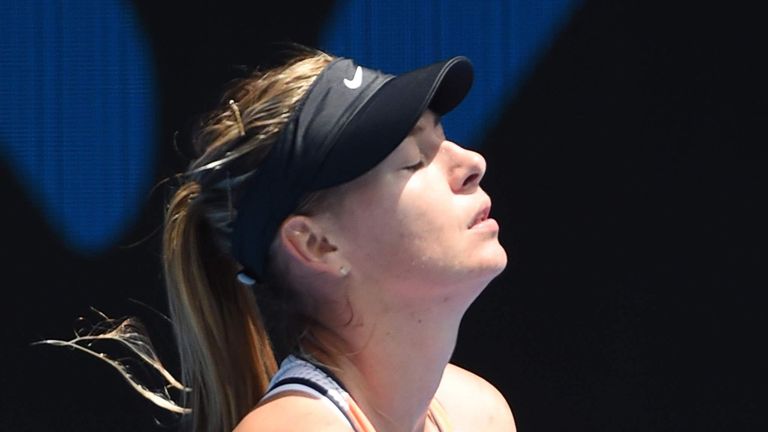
391 321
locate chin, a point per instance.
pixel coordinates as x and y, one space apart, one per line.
492 263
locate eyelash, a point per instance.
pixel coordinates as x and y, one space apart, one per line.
415 166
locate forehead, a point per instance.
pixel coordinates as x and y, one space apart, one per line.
424 136
427 119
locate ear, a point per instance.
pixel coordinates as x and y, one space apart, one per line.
306 243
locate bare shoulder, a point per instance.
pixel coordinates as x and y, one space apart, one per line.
472 403
293 411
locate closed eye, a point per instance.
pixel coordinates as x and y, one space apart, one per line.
415 166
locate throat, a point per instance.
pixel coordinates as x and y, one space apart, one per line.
393 370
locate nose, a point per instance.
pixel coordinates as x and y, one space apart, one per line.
467 168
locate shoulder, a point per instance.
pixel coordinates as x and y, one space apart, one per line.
472 403
293 411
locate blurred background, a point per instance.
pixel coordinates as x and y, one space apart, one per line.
626 148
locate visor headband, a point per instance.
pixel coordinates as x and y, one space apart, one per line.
289 171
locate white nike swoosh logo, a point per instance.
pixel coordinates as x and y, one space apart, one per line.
356 80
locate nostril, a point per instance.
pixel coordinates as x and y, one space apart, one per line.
471 179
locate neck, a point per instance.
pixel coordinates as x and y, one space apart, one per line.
392 365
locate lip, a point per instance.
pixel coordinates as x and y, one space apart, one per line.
489 224
481 217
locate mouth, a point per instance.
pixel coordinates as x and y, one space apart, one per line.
481 216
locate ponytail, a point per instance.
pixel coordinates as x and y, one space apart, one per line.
225 353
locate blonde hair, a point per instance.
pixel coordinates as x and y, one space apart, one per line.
225 351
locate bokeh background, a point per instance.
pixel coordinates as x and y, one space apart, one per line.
626 143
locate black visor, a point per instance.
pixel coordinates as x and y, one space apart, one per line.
350 119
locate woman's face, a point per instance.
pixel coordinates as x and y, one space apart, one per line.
413 219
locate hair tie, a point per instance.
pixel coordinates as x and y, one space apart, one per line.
245 279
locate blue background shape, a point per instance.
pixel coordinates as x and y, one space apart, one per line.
502 38
77 114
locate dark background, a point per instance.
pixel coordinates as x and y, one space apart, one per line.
629 179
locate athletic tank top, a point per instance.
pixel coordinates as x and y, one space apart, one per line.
296 374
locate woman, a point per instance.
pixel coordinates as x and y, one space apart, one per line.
328 198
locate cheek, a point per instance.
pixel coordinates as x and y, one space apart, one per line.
398 227
425 222
405 229
422 220
368 221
